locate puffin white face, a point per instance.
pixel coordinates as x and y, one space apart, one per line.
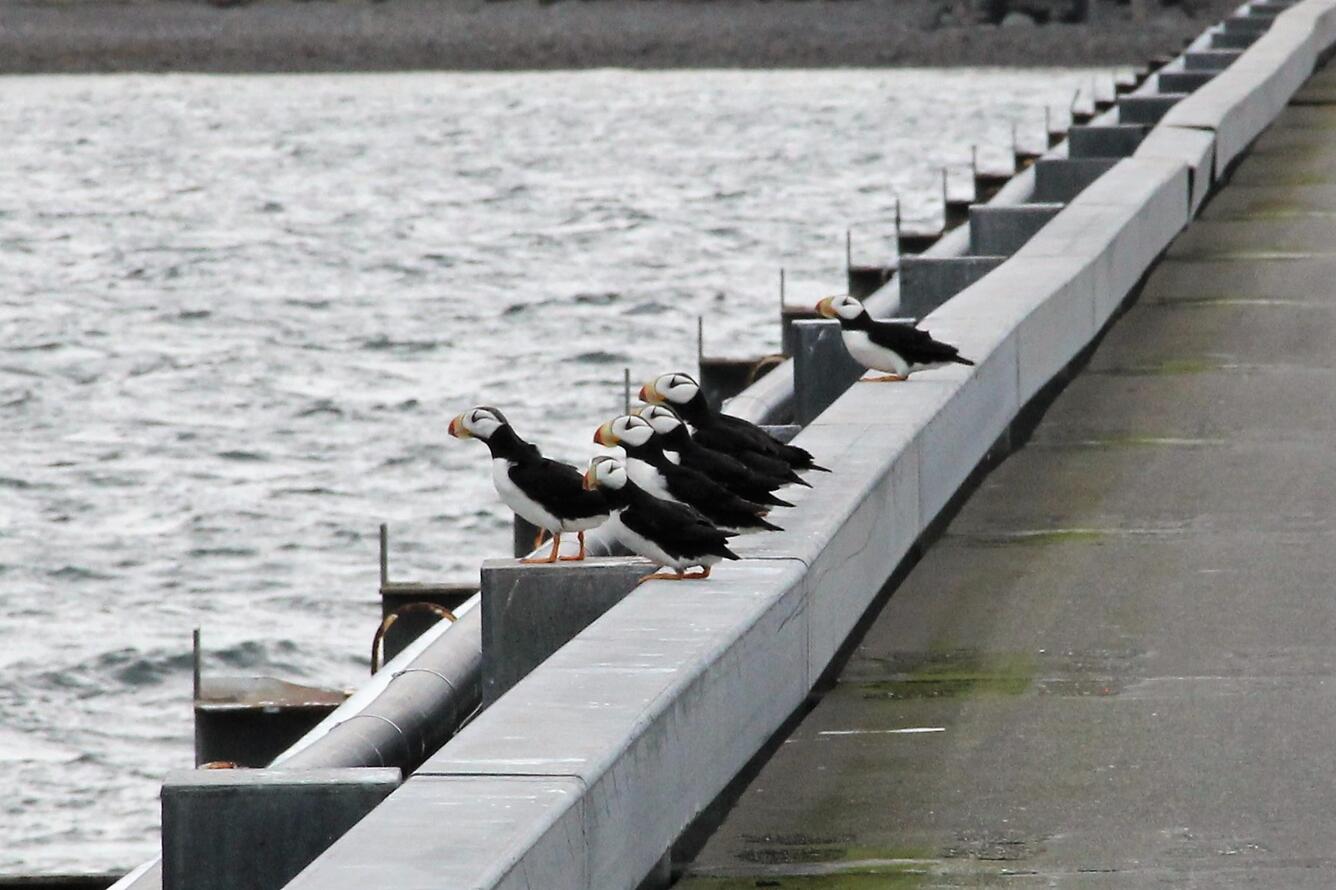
662 418
676 389
630 429
605 472
843 306
480 423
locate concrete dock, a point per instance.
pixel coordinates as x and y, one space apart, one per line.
1117 667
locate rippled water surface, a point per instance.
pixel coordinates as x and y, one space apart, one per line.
236 314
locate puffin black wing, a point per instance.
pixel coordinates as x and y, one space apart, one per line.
795 457
714 501
734 475
680 530
558 488
914 345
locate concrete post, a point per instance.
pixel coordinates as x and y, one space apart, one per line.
788 314
1001 231
1144 109
1113 141
822 368
1057 181
1234 39
1210 60
928 282
1183 81
256 829
523 534
531 611
1248 24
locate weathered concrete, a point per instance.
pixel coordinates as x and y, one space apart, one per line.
1182 81
1001 231
1146 108
1058 180
531 611
1110 141
822 368
255 829
1118 667
928 282
1210 59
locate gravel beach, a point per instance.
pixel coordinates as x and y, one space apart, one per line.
361 35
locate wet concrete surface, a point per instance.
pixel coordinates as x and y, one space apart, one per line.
1117 667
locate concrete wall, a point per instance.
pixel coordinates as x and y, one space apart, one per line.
589 768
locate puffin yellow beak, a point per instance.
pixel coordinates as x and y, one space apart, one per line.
825 308
649 394
457 428
589 483
605 436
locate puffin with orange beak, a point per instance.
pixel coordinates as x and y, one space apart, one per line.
547 493
723 432
894 346
653 471
664 532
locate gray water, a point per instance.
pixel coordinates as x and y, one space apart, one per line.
236 314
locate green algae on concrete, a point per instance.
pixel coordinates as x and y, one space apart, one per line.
957 676
864 879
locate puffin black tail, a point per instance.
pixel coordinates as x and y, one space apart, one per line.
821 469
960 360
727 554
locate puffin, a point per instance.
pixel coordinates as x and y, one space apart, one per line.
667 533
895 346
723 432
725 469
654 472
548 493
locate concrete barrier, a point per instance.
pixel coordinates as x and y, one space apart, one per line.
927 282
1246 96
589 768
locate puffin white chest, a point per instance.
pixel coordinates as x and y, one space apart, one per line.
648 478
514 497
870 355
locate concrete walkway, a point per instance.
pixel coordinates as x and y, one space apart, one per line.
1117 669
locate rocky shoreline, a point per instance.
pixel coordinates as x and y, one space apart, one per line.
50 36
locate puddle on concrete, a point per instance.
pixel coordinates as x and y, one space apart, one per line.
1247 256
1126 441
1219 301
959 674
1168 367
966 673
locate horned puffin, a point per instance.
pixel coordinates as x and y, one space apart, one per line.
653 472
725 469
666 533
723 432
546 492
894 346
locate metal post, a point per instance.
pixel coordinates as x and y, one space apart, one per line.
848 250
384 555
626 390
197 660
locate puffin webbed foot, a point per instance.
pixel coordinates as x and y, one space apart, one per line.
889 378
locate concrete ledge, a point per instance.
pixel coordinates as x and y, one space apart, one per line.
1059 180
1245 97
1115 141
1146 108
1001 231
257 828
927 282
1196 148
